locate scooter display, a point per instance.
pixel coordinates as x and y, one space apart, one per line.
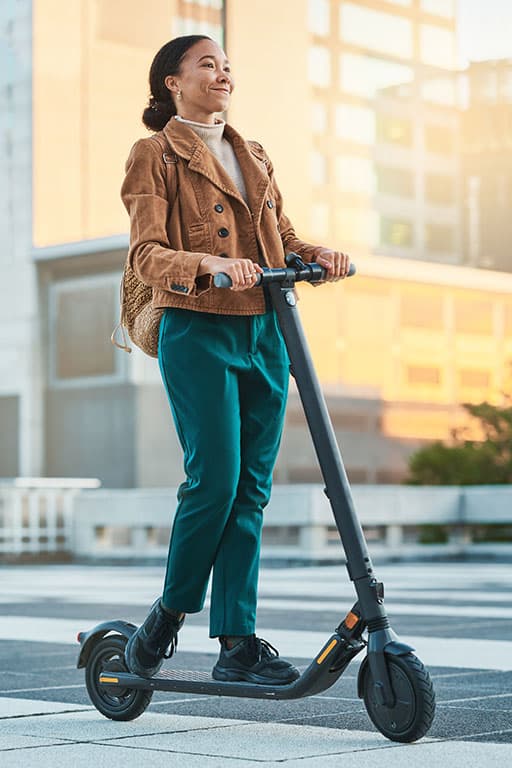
395 686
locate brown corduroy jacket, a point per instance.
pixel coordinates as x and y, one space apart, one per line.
169 235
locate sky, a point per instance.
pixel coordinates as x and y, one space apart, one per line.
484 29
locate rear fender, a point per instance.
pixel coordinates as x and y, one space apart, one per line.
89 639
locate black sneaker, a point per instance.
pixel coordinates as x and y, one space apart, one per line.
254 661
154 641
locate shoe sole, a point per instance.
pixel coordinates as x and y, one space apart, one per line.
240 676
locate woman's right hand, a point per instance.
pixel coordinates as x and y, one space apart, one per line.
243 272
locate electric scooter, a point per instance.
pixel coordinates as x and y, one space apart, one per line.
396 688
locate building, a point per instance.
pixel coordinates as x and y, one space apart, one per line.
487 165
386 124
397 348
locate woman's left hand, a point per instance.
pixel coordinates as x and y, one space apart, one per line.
336 263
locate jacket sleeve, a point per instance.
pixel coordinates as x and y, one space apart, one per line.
291 243
145 197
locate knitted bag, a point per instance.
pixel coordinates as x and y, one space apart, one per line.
137 315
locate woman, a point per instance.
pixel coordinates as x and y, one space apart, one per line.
221 354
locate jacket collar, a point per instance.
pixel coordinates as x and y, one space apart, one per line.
187 144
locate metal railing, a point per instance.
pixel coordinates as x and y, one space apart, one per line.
36 514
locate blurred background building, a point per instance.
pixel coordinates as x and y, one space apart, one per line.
383 147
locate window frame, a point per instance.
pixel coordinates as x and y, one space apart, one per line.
55 289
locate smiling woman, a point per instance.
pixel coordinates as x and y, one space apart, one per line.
203 200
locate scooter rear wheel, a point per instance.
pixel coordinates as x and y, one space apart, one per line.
412 715
117 703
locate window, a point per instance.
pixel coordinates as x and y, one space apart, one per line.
318 118
421 311
356 174
188 26
440 90
376 30
473 316
395 181
472 378
355 123
394 130
439 237
318 17
439 139
83 313
437 46
396 232
440 189
217 4
318 168
444 8
319 66
368 75
423 375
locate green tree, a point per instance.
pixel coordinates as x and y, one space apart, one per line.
465 461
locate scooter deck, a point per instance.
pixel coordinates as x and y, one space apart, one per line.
321 673
188 681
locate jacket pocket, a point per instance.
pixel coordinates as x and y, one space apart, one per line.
199 238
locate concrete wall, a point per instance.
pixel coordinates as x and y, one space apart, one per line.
19 360
91 433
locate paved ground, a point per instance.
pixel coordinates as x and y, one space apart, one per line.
458 616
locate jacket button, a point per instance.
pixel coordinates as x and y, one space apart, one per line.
223 232
270 203
219 208
223 256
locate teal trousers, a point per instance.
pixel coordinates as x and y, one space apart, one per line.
227 382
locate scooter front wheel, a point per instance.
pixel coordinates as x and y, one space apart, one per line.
413 712
116 703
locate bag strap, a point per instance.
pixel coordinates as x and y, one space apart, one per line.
170 159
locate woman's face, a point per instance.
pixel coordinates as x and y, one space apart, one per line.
204 82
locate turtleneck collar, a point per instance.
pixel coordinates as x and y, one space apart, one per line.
211 134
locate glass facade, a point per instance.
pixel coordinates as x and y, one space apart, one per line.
376 30
319 66
437 46
355 123
319 17
366 75
355 173
444 8
396 232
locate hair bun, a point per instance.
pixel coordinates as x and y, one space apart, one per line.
158 113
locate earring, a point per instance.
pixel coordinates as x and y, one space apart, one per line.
178 95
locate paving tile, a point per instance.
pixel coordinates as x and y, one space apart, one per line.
22 742
263 741
16 707
101 756
91 726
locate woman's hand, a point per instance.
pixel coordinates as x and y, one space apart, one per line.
243 272
336 263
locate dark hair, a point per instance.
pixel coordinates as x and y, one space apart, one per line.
166 62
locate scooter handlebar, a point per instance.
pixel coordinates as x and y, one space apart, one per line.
311 273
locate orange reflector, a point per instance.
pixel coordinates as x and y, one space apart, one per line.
327 651
104 679
351 620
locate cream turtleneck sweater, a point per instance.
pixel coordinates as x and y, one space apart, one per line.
213 137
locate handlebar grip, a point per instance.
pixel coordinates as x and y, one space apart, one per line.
351 269
221 280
